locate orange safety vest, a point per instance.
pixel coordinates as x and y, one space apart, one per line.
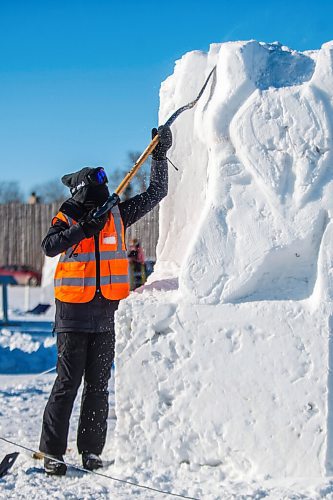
75 276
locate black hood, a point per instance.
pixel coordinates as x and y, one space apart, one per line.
86 186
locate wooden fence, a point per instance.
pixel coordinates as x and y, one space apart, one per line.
24 226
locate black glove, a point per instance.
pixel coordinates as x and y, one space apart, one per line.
92 226
164 144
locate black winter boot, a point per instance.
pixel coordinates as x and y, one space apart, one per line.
91 461
53 465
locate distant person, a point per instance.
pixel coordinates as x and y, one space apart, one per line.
90 279
136 260
33 198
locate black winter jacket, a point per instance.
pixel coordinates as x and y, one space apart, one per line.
98 314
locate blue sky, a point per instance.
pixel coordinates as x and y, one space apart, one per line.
79 79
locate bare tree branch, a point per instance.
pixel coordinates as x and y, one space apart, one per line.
139 183
10 192
50 191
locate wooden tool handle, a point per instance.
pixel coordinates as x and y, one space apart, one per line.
126 180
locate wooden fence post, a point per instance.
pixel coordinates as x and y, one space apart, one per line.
24 226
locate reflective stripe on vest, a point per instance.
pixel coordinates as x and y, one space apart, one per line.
75 276
105 280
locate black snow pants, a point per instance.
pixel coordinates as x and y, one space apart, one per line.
79 354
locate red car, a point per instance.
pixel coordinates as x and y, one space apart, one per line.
24 275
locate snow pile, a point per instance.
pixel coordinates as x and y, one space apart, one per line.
27 344
22 352
223 359
17 340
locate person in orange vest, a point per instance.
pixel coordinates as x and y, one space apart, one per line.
136 259
90 279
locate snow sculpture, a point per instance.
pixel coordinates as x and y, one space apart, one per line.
223 359
268 147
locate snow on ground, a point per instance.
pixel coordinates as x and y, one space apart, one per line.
22 400
223 379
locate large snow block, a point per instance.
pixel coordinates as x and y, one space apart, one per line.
239 387
225 360
245 216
